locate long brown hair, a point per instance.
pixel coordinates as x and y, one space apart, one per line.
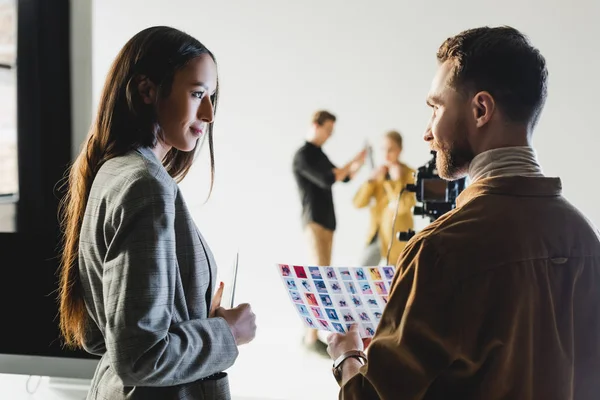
123 123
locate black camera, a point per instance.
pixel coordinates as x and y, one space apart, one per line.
436 195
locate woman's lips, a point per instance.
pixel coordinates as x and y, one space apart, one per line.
196 131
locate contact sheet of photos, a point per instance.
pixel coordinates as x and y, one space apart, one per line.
334 298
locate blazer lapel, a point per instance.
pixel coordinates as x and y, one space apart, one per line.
148 154
211 270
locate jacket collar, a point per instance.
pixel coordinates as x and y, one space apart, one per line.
518 186
149 155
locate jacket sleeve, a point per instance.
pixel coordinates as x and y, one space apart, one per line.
145 346
364 194
324 178
417 337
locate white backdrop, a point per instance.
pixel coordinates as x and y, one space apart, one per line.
369 63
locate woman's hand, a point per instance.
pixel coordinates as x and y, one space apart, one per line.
395 171
216 301
242 322
379 173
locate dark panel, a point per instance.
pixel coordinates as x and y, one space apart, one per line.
29 257
43 110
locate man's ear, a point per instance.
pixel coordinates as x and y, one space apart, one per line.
483 106
146 90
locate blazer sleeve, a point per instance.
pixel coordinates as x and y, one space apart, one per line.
392 189
418 336
144 345
362 198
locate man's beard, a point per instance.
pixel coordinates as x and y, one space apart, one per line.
453 160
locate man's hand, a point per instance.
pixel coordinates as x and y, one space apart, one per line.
357 162
339 343
340 174
350 169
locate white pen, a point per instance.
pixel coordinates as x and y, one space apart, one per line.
234 278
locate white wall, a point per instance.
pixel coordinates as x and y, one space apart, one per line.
81 71
371 64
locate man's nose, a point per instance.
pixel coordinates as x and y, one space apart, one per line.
427 135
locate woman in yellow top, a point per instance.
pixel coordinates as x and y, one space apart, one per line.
380 192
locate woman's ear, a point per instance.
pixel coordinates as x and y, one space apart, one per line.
146 90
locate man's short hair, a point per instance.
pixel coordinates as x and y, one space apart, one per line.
322 116
503 62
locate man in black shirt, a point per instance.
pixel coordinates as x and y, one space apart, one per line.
315 174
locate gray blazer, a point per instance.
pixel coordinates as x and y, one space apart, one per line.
148 278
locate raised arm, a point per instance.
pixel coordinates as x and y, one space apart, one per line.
145 346
362 198
366 191
347 172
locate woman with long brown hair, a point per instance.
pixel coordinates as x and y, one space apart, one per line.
137 277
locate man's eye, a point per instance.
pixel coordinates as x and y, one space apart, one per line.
198 95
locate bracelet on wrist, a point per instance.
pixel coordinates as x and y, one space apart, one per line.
337 364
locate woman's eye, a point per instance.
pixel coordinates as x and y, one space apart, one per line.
198 95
